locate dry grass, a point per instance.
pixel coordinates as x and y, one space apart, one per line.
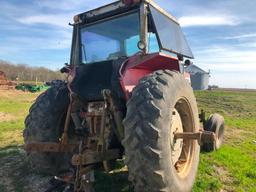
4 117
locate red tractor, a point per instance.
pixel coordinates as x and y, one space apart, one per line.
126 96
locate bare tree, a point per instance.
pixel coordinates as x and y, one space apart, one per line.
26 73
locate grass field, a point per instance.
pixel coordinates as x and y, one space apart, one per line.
232 168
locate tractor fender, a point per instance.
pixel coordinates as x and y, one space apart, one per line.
138 66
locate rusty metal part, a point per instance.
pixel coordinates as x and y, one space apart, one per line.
103 10
101 141
144 26
76 19
117 114
201 137
50 147
91 157
108 133
64 137
94 149
90 114
65 178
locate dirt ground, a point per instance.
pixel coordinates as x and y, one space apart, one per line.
14 171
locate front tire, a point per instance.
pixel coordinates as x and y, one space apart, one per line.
215 123
157 162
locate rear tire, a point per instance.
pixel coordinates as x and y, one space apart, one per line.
45 123
149 145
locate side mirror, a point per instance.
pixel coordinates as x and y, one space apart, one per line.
187 63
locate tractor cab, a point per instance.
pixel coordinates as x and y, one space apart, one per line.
125 28
111 42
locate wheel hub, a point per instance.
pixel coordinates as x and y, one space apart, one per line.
176 144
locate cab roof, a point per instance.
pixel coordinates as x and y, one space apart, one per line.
117 8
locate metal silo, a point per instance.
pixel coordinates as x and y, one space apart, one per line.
199 77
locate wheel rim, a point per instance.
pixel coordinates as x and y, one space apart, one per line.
176 145
182 150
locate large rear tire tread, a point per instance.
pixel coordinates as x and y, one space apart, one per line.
147 114
44 124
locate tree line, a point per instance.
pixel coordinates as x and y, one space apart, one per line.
24 72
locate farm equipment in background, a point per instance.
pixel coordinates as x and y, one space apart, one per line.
31 87
125 96
37 87
4 83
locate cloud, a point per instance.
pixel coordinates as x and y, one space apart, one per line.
234 80
230 66
60 20
70 5
241 36
208 20
226 58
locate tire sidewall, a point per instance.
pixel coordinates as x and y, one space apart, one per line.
174 181
214 124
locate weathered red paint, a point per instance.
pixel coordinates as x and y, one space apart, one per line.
139 66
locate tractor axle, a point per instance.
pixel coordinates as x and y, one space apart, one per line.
201 136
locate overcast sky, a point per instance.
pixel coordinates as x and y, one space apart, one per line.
221 33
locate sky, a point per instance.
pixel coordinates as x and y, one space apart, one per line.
221 33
